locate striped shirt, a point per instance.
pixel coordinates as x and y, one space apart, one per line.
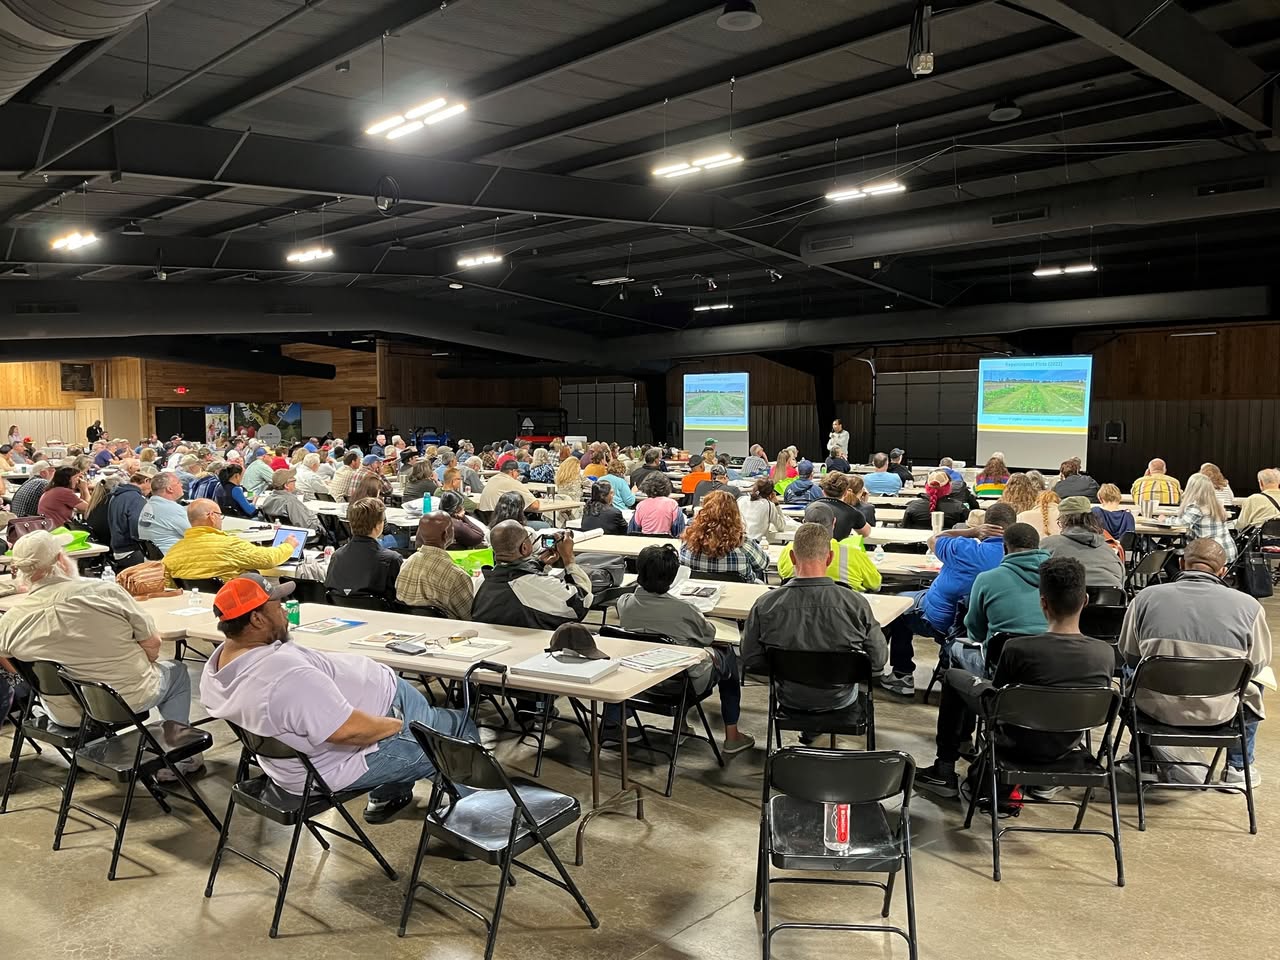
1163 489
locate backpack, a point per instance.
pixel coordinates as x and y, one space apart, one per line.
605 572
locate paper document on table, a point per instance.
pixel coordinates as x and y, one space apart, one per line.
190 611
1267 677
654 661
469 649
385 638
548 666
329 625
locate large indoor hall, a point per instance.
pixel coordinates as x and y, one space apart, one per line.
659 480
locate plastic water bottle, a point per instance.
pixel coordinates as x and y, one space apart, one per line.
108 575
193 598
835 827
878 557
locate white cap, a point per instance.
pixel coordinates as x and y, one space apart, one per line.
38 550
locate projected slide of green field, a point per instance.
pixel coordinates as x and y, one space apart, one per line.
701 405
1060 399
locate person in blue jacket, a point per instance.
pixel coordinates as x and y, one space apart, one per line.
802 489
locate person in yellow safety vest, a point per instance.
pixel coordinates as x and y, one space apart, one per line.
849 561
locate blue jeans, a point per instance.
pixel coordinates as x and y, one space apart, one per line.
173 700
902 654
1234 759
399 762
972 659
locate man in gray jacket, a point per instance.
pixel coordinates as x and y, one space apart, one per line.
812 613
1082 539
1200 616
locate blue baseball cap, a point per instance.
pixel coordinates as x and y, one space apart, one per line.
804 467
371 459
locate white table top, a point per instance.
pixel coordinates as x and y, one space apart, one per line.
736 599
92 550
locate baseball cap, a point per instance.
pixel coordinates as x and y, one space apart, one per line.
719 470
279 478
37 549
190 460
371 458
246 594
804 467
896 452
710 442
1074 505
575 639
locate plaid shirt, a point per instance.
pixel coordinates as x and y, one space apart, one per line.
373 471
431 578
755 466
341 482
748 561
1200 524
1162 489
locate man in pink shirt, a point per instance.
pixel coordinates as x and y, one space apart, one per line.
347 713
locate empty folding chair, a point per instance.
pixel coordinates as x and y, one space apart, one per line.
1062 710
261 795
792 830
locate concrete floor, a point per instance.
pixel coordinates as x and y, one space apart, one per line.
674 887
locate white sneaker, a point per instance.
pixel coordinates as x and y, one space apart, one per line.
1235 776
188 767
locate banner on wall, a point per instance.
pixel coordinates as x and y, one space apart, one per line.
217 423
273 422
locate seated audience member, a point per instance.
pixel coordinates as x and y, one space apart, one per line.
230 495
518 592
66 495
652 464
1221 488
26 497
940 496
802 489
257 475
470 475
187 471
507 480
811 613
163 521
657 514
783 472
652 609
571 484
948 466
1197 615
850 518
849 561
965 552
1083 538
990 482
510 506
123 510
600 513
309 479
760 512
452 483
1073 483
756 463
623 498
430 578
104 457
205 484
94 629
406 462
896 465
1021 493
1156 485
856 495
280 459
363 566
715 542
882 482
837 461
1058 656
340 485
1005 599
596 467
96 519
1257 509
1044 515
541 469
718 480
369 480
698 472
347 713
1115 520
1204 517
281 502
468 532
420 481
206 551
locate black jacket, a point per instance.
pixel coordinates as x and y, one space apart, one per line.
521 595
609 519
124 506
1077 485
363 567
955 507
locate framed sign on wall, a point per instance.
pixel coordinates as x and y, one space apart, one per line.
76 377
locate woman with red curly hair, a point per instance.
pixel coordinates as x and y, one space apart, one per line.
716 542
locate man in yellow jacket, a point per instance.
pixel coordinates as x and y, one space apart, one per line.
206 551
849 561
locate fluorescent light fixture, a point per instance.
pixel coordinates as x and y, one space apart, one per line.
382 126
358 341
431 106
407 128
74 241
710 162
880 189
310 254
1196 333
704 307
445 114
610 281
874 190
440 354
479 259
1057 271
850 194
455 286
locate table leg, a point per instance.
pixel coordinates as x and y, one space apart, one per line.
623 796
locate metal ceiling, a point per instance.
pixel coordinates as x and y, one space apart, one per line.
243 137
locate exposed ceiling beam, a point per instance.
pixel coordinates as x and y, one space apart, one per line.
288 73
1168 43
222 353
744 67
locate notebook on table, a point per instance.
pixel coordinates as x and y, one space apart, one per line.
550 667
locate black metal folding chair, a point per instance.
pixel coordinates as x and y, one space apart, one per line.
955 635
496 821
607 600
306 590
822 670
361 601
792 830
1194 679
1151 568
1062 710
672 698
130 756
151 551
261 795
1103 616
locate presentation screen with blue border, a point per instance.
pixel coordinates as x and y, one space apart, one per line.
1035 410
717 405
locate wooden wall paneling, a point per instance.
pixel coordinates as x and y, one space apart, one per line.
124 378
355 386
37 384
205 386
409 376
